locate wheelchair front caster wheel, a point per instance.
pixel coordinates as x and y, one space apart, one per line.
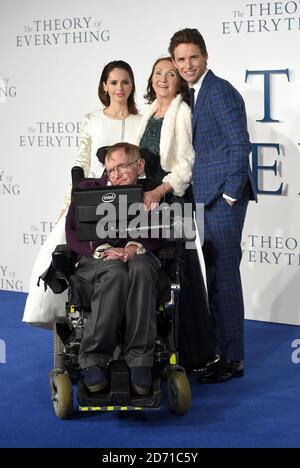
179 392
62 395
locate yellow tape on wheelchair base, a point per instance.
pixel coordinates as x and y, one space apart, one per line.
173 359
110 408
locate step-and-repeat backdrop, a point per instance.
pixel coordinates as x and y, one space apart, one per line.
52 54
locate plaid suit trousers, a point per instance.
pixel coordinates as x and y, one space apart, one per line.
222 252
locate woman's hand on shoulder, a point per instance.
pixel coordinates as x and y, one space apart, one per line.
151 199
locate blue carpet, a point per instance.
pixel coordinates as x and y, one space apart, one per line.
260 410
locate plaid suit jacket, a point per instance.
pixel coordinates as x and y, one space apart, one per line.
221 142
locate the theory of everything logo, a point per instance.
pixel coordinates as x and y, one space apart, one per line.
7 90
263 17
55 31
51 134
8 185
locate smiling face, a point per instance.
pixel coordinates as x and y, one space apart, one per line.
165 80
190 62
121 169
118 86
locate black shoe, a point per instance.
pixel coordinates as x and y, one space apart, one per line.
141 380
205 368
94 378
223 371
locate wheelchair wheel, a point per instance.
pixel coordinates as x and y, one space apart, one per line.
62 395
179 392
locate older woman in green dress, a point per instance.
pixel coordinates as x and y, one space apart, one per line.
166 131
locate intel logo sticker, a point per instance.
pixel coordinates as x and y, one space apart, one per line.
108 197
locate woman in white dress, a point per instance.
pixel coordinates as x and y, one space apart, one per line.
116 121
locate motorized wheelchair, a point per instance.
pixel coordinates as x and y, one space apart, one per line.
68 333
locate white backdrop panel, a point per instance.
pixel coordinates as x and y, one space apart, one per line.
52 54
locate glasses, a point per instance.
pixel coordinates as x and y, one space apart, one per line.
120 169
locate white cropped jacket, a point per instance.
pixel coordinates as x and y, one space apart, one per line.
176 150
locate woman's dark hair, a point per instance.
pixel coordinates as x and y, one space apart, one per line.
104 97
150 95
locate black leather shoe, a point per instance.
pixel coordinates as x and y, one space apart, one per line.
205 368
223 371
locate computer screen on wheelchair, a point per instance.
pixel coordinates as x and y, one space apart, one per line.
119 212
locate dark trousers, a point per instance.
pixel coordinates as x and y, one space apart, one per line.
197 343
222 253
122 310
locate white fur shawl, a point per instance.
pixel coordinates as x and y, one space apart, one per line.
176 150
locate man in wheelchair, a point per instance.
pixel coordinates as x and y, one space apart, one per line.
121 275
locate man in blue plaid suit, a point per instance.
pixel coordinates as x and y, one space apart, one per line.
222 180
